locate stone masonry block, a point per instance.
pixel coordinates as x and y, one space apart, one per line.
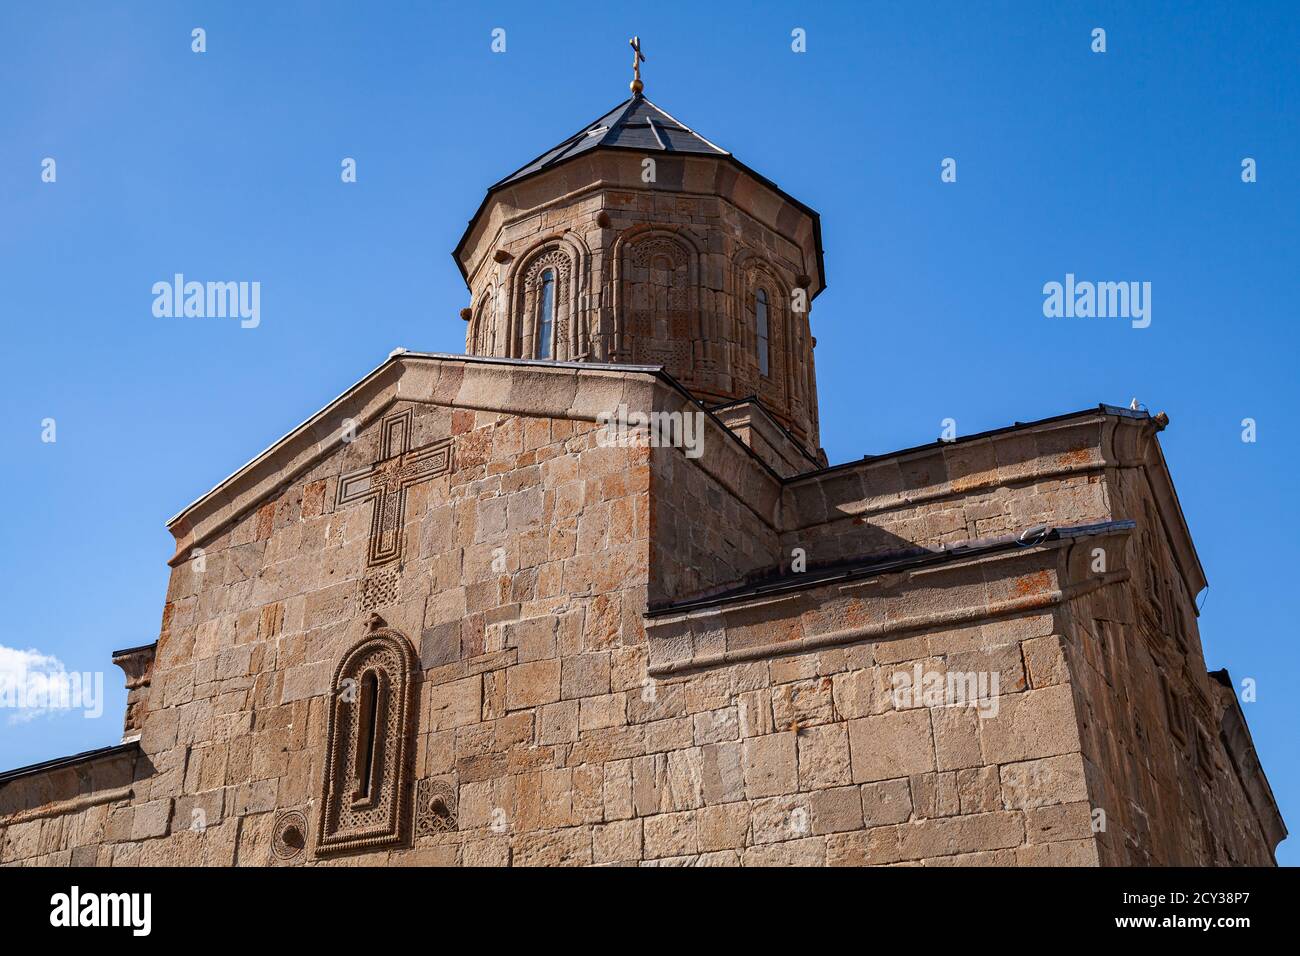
891 745
770 765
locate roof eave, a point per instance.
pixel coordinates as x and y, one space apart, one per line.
843 572
58 763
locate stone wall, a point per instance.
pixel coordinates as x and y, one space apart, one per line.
1159 764
560 723
860 775
714 518
68 814
522 585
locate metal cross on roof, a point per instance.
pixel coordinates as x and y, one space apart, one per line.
637 59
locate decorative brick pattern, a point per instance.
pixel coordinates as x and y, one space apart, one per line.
378 590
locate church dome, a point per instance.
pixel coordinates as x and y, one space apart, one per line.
638 241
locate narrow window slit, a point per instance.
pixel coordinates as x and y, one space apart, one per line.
370 707
546 314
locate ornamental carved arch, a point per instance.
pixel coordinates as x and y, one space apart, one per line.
562 262
781 388
369 748
482 330
657 317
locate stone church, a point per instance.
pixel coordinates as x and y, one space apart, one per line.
591 593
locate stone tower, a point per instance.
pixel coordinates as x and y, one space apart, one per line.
637 241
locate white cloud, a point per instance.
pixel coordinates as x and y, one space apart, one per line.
32 684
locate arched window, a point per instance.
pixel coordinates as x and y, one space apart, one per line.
541 314
760 323
365 797
546 314
370 719
483 334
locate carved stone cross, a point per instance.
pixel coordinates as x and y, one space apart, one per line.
385 482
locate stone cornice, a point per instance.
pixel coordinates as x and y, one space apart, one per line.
136 664
1171 514
961 593
73 805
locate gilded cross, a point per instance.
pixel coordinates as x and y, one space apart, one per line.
385 483
637 59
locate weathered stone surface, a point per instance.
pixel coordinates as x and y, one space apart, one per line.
861 693
456 704
724 772
824 757
617 842
724 827
715 726
532 684
891 745
1045 661
770 765
671 834
755 713
1069 853
807 852
877 846
956 737
983 858
889 801
934 794
1037 723
567 847
1037 783
836 810
803 703
151 819
773 819
978 790
1067 821
586 675
557 723
965 834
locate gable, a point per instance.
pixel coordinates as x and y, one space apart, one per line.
567 391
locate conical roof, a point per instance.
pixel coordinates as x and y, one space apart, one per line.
635 124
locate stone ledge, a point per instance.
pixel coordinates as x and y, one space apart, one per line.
996 584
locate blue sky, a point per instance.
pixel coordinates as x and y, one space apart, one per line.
1124 165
